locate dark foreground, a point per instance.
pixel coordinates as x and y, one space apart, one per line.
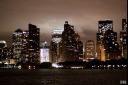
62 77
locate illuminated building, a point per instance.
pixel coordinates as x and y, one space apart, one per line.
123 38
111 46
107 41
71 46
34 44
25 51
17 44
26 45
44 53
55 45
89 50
3 50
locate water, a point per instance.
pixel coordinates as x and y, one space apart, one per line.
61 77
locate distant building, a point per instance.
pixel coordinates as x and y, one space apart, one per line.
111 47
44 53
89 50
17 44
123 38
34 43
25 51
106 44
25 45
55 45
71 48
3 50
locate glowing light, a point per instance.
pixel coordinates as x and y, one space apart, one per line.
102 53
44 55
19 67
29 67
56 65
77 67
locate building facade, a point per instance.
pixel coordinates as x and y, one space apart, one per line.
44 52
55 45
123 39
106 44
71 46
3 50
89 50
17 45
34 44
26 45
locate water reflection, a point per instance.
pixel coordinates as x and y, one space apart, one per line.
61 77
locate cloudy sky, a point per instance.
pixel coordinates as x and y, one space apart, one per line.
51 14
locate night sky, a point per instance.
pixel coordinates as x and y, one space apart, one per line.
51 14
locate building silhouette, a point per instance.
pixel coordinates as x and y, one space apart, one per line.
123 39
111 46
71 48
3 50
55 45
34 43
106 44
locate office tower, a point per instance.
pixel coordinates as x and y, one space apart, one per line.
25 43
89 50
106 45
3 50
34 43
17 45
44 52
111 46
123 39
71 46
55 45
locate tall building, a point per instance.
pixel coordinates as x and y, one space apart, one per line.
106 44
71 46
25 44
44 52
17 44
3 50
89 50
123 38
55 45
111 46
34 43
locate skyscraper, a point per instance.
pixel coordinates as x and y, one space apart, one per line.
3 50
17 44
26 45
106 45
55 45
123 38
44 52
25 51
71 46
89 50
34 43
111 46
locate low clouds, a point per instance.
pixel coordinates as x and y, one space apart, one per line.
51 14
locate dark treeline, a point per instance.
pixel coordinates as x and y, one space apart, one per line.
97 64
94 64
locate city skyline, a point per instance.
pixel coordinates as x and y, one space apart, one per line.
51 14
